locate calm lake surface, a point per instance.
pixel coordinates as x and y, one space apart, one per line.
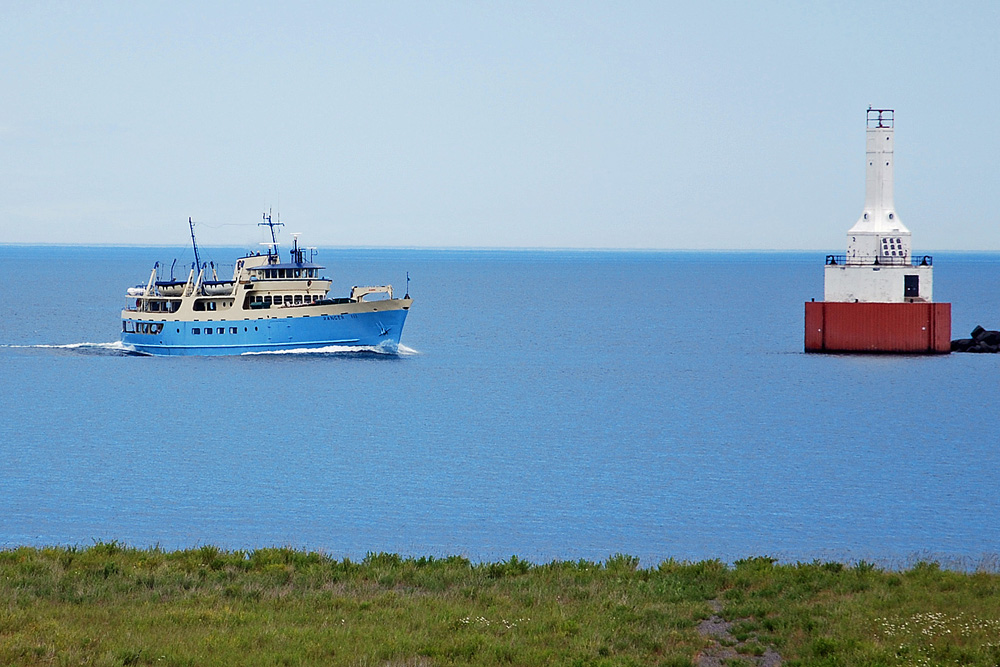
553 405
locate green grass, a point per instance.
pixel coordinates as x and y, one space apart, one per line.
114 605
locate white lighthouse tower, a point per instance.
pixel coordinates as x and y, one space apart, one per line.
878 273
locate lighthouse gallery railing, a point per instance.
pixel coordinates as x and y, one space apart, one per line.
915 260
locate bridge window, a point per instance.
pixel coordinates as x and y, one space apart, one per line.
298 299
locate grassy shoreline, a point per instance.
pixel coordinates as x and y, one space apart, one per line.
114 605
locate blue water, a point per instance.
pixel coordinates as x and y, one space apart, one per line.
546 404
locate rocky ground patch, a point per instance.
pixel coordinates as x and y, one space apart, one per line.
726 650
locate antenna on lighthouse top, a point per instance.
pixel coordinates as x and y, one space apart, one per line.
880 118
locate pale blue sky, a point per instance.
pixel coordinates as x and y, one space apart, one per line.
613 125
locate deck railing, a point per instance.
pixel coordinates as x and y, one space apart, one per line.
915 260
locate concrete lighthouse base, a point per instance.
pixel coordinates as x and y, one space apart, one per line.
888 328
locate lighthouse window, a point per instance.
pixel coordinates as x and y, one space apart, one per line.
890 215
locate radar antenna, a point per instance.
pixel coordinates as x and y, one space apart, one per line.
271 224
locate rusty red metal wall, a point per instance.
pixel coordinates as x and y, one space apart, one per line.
908 328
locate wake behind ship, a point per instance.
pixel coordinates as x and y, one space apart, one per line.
269 305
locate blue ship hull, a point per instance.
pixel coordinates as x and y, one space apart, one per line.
275 334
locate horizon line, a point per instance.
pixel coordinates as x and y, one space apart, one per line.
581 249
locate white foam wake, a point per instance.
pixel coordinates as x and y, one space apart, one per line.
387 349
119 348
116 347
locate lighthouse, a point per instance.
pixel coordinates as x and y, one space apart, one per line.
878 297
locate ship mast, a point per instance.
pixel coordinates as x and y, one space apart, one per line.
197 259
269 223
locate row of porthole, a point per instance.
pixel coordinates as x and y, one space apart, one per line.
219 330
128 326
891 216
153 328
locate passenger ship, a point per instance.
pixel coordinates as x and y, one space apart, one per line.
269 305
